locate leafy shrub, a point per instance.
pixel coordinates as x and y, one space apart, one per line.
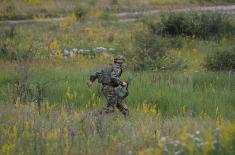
200 25
80 12
222 59
149 48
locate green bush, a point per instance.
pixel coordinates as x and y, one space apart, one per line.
80 12
149 48
222 59
152 50
206 25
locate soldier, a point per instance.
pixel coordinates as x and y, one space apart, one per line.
110 79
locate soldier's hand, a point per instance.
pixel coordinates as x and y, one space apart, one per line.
124 84
89 83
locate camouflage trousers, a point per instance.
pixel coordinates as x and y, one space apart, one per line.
113 101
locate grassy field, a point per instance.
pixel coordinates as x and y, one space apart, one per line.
170 112
172 93
178 105
29 9
59 131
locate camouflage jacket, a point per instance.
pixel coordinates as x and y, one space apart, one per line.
115 75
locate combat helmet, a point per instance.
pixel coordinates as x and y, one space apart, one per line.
119 59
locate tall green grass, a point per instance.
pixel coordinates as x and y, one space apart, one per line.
172 93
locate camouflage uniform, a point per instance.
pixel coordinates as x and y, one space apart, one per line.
109 89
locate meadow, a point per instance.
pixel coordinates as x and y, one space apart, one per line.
181 96
34 9
170 112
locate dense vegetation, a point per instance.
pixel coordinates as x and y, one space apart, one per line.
182 90
155 38
33 9
164 43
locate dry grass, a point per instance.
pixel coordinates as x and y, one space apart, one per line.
29 9
59 131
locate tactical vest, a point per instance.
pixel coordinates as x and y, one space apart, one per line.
105 76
